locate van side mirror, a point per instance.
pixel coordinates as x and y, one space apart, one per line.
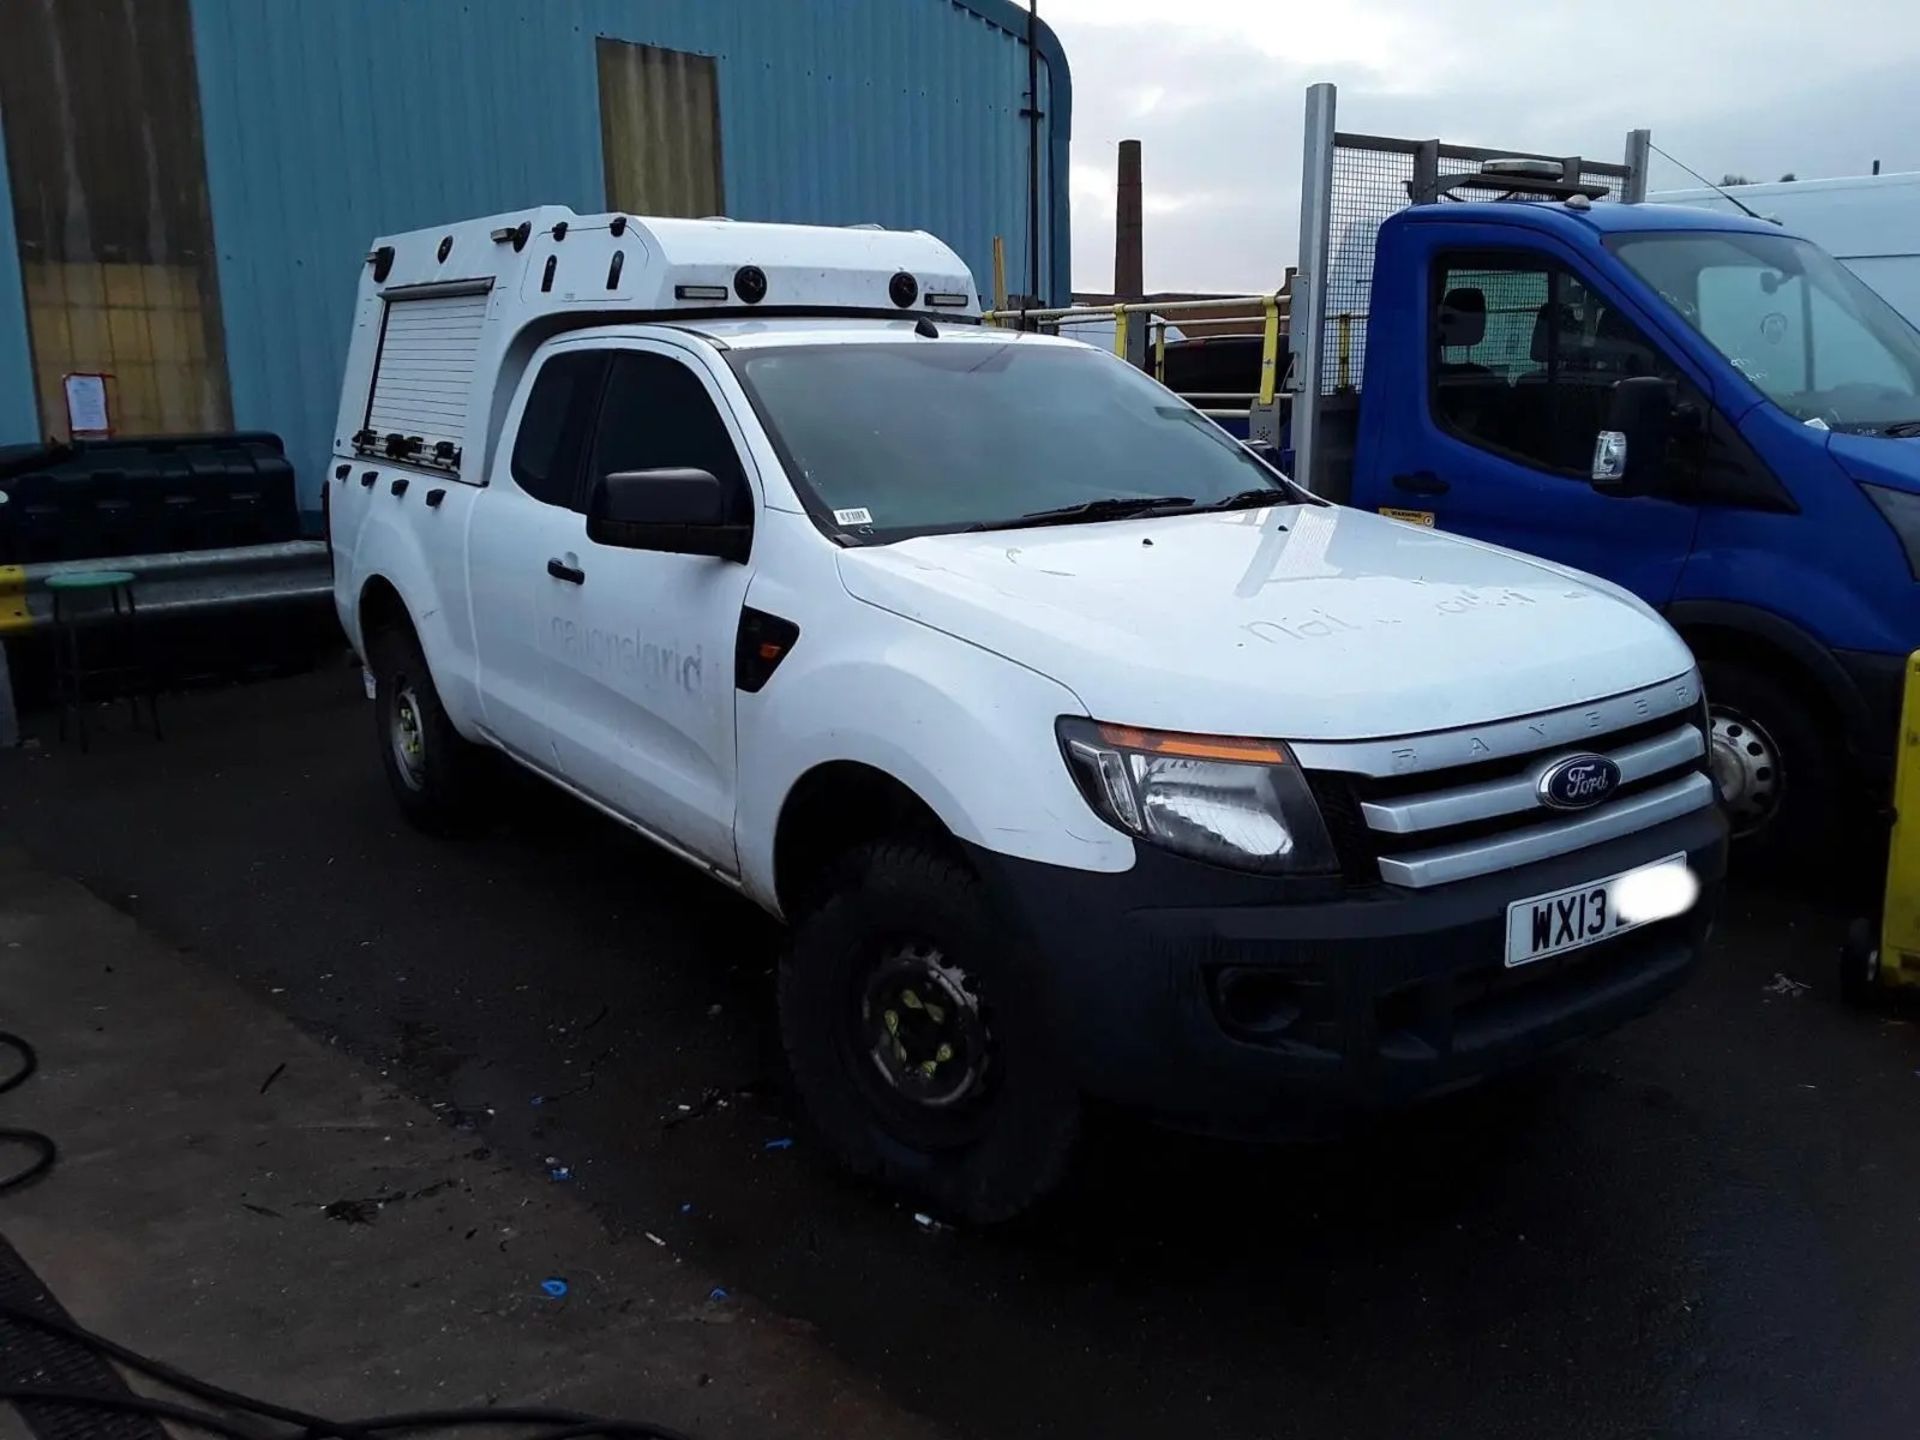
1630 455
676 511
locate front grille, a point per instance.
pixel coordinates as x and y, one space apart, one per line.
1400 786
1352 841
1433 825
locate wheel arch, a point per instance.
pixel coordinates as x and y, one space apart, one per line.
1745 634
381 607
833 807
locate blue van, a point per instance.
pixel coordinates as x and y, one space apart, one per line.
1707 410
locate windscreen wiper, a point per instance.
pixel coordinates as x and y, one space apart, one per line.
1115 507
1903 429
1252 499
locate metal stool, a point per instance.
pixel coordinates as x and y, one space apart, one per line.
96 598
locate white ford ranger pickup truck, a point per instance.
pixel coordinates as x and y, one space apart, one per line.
1085 756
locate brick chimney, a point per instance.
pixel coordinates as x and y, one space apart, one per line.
1128 235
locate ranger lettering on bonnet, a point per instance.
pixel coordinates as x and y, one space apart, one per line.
725 554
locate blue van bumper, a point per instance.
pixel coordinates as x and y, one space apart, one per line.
1878 680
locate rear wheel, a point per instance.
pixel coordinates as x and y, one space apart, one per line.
916 1037
426 762
1776 766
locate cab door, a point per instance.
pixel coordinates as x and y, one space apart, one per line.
643 685
524 535
1522 348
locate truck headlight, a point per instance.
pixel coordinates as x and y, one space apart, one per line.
1901 510
1240 803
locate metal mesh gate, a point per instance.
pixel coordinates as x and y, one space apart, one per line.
1373 176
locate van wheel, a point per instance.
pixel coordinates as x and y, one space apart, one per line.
917 1040
426 761
1776 768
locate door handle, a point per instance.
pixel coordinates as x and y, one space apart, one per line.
572 574
1421 482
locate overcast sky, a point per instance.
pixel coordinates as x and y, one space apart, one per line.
1214 90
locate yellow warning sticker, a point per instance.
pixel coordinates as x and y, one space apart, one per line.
1412 517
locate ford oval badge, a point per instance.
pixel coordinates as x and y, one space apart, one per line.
1579 781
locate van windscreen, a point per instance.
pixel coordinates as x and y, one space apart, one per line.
1815 340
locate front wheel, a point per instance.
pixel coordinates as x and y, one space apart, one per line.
913 1024
1776 767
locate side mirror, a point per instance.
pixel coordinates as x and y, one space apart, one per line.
1630 455
676 511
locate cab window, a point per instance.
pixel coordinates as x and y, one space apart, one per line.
554 426
1523 356
658 416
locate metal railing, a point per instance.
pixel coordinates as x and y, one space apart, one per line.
1345 325
239 579
182 582
1268 310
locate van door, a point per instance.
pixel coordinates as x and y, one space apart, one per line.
524 540
644 687
1522 350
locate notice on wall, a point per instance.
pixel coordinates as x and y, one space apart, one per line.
87 405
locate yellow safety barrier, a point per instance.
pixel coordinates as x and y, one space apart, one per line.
13 600
1900 924
1884 953
1266 308
1270 349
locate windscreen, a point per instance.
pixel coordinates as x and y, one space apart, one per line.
1820 344
949 435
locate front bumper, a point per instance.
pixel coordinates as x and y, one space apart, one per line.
1880 682
1364 998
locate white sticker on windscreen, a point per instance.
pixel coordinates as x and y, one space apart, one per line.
859 516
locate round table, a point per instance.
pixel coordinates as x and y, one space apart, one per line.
85 599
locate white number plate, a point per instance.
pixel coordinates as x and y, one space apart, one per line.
1567 919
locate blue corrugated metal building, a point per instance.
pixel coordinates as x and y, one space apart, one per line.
187 187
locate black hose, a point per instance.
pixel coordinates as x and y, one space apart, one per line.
29 1061
570 1424
567 1424
317 1425
166 1374
564 1424
131 1405
45 1151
